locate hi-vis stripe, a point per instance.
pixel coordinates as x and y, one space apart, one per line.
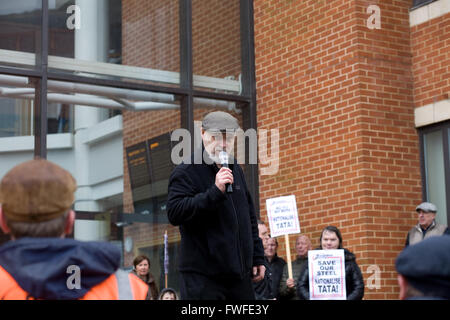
123 285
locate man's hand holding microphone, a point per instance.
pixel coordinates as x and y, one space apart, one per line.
224 178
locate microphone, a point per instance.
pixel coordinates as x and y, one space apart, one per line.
223 157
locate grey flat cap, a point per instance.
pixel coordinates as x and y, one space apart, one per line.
427 207
220 121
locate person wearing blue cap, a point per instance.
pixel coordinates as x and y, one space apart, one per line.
424 270
427 225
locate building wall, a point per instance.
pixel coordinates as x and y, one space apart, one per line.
341 95
430 46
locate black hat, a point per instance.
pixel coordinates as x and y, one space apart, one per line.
426 266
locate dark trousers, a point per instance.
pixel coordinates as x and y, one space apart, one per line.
195 286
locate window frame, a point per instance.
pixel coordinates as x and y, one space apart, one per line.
444 128
41 75
420 3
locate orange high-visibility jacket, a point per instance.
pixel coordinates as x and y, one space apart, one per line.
119 286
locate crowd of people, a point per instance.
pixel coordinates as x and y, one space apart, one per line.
226 252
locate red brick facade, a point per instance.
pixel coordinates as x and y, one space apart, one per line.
430 43
341 95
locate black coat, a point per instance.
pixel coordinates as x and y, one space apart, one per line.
354 282
263 288
276 271
219 231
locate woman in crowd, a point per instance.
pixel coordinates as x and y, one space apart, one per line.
142 270
330 239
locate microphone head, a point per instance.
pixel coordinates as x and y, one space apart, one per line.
223 157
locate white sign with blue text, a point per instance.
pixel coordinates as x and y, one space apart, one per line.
326 275
283 216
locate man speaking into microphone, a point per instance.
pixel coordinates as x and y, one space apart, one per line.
221 253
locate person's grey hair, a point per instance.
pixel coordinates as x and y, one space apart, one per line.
46 229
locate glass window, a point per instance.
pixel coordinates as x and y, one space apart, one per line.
16 116
17 108
116 39
216 45
419 3
120 144
20 28
435 173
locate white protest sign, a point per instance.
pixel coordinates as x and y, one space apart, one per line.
326 275
283 216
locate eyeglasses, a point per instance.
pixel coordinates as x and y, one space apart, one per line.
424 212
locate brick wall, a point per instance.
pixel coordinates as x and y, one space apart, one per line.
150 34
430 46
216 38
341 96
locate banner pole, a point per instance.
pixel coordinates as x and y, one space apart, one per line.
166 257
288 255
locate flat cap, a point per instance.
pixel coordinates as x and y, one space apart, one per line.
426 266
220 121
35 191
427 207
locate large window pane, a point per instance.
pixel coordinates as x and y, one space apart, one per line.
114 38
20 28
17 107
16 116
216 45
148 146
435 174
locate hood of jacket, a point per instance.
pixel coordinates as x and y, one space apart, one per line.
47 268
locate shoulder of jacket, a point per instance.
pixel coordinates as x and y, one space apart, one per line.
140 288
9 288
349 256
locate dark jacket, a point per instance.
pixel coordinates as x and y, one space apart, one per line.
286 293
219 232
276 270
42 266
354 282
263 288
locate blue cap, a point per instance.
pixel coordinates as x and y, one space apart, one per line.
426 266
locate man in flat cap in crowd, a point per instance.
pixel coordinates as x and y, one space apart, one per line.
424 270
221 252
39 262
427 226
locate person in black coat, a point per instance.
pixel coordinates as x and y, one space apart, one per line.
220 252
275 264
330 239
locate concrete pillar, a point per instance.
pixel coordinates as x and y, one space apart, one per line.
91 44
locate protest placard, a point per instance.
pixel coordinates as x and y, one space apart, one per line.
326 275
283 216
283 220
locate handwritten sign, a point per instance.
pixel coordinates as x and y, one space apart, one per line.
283 216
326 275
